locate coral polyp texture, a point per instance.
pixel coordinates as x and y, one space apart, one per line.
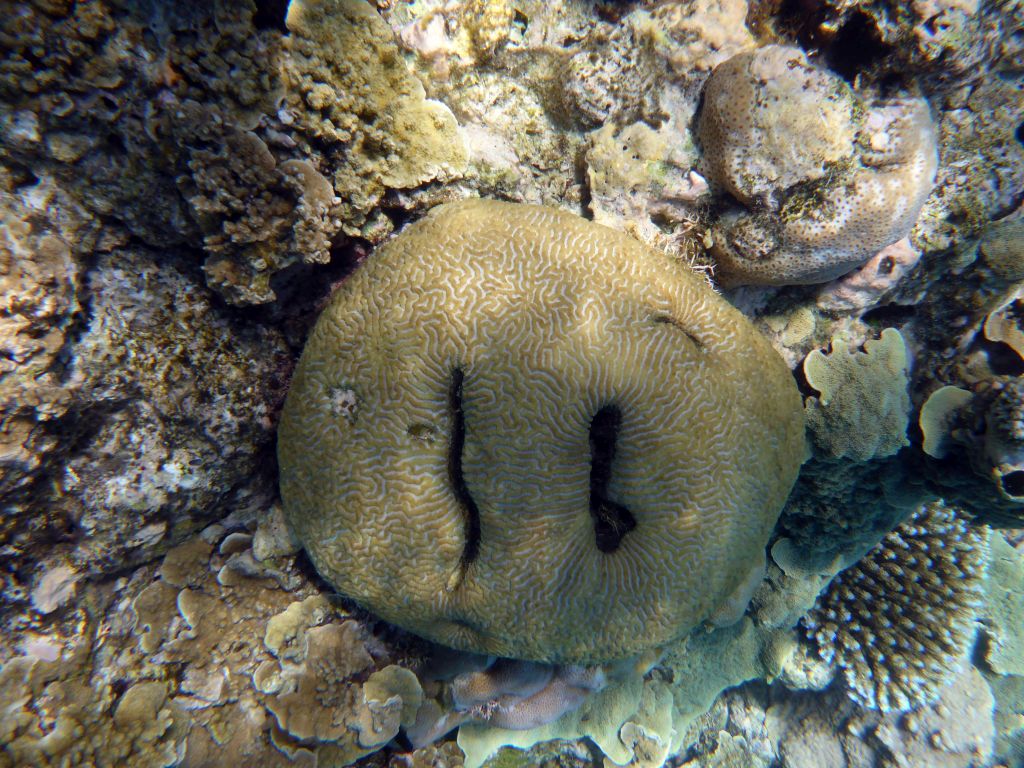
862 408
819 180
1004 440
900 622
516 432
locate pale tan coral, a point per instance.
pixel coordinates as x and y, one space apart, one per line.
863 405
824 181
611 80
1004 323
319 697
489 23
529 360
771 119
900 622
937 417
1004 608
38 301
53 716
641 181
696 36
253 660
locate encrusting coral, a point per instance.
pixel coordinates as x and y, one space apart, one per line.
548 443
900 622
196 123
822 180
862 408
39 287
370 113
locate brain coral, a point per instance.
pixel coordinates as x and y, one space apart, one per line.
516 432
821 180
900 622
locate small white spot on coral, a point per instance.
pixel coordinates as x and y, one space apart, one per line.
342 402
54 588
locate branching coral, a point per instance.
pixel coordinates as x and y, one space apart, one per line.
823 180
900 622
549 442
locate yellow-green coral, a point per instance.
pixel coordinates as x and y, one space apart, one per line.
517 432
862 408
350 88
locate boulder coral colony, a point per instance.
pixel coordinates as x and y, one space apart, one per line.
511 424
182 185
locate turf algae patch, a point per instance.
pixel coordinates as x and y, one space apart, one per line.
565 447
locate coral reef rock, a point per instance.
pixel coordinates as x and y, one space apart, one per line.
644 434
260 145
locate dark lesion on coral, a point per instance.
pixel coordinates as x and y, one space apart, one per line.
612 521
471 513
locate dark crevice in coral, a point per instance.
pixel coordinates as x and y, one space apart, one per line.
857 47
303 290
889 315
270 14
662 319
1013 483
850 45
471 549
1001 358
612 521
586 193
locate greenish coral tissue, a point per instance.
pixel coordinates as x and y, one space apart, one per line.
519 433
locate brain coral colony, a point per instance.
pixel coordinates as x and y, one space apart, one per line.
646 381
518 433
